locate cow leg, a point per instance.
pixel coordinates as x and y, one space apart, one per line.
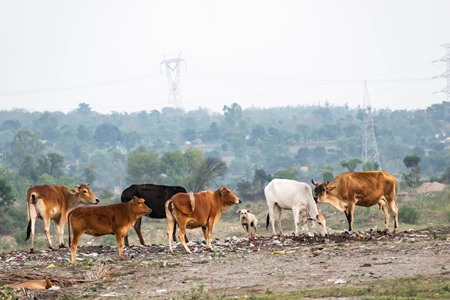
119 238
349 214
272 218
47 232
296 213
170 223
60 231
181 234
137 227
33 223
74 244
169 235
394 210
278 212
207 233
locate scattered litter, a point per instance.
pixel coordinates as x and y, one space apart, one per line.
278 252
339 281
161 291
113 294
93 254
50 266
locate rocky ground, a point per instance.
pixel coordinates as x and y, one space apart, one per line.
239 267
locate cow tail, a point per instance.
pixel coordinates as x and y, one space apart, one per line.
267 222
192 200
29 203
28 230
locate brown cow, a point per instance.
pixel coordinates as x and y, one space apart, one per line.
54 202
363 189
115 219
202 209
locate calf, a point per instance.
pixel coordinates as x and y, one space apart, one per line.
248 220
296 196
114 219
202 209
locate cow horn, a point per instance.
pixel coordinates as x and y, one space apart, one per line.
316 184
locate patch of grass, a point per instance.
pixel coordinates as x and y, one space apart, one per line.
416 287
199 293
7 293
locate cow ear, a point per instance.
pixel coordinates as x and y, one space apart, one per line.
329 188
221 190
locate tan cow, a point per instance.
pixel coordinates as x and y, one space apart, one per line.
115 219
363 189
54 202
202 209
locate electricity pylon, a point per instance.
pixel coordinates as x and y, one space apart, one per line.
446 74
369 146
173 76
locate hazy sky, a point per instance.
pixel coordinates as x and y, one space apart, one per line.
57 54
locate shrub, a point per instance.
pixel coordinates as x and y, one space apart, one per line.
408 215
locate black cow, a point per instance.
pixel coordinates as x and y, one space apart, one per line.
155 197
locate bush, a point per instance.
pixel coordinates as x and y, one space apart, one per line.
408 215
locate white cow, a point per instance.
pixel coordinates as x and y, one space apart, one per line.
296 196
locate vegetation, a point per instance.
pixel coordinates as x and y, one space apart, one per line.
242 149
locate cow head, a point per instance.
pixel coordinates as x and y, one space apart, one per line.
319 224
85 194
227 198
138 207
321 190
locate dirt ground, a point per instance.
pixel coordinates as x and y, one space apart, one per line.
239 267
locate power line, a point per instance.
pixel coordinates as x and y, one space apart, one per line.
72 87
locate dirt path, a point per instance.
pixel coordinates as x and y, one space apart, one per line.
239 266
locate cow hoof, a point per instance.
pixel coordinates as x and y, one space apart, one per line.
62 246
31 250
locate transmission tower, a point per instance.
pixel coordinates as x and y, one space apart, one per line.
446 74
173 76
369 147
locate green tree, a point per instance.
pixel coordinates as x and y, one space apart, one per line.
260 178
327 173
83 108
287 173
233 115
25 142
143 166
89 173
52 164
412 162
351 164
28 169
6 195
206 173
106 135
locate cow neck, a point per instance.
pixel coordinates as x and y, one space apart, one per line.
312 207
73 201
222 206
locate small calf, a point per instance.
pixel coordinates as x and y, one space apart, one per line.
115 219
248 220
